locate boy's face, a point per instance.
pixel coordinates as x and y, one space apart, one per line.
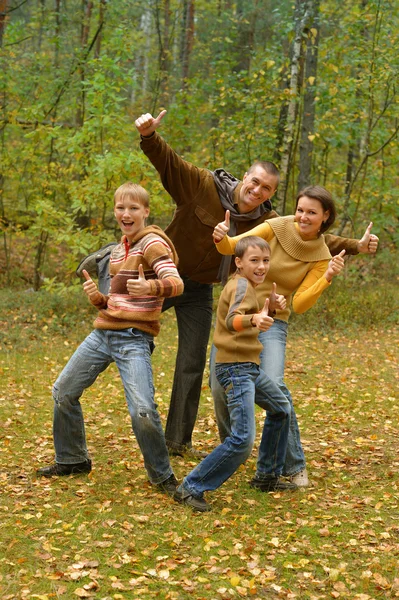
254 265
130 214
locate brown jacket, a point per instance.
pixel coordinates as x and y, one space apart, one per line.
199 210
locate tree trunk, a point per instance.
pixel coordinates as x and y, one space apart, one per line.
303 11
309 107
187 39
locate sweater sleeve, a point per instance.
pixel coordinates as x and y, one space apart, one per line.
311 288
228 244
336 244
158 255
181 179
241 302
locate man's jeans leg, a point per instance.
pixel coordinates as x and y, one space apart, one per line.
131 349
194 318
273 364
239 382
88 361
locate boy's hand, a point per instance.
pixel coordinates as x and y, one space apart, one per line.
139 286
335 266
89 286
369 242
262 320
146 124
222 229
276 301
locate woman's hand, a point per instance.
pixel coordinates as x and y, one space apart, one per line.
222 229
276 301
335 266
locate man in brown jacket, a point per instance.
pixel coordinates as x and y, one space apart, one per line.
202 198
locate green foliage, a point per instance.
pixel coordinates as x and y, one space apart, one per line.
68 104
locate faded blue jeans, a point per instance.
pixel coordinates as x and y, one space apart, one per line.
272 363
193 310
131 350
243 383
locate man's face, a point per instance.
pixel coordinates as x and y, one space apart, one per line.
257 187
254 265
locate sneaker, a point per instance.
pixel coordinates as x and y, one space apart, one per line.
196 503
273 484
169 485
300 479
59 470
188 452
89 263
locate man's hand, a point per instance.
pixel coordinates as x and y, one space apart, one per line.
140 286
369 242
89 286
146 124
222 229
335 266
262 320
276 301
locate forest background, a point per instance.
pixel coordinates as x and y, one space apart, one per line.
311 85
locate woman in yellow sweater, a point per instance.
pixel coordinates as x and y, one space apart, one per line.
302 268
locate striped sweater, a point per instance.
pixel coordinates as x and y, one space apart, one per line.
155 252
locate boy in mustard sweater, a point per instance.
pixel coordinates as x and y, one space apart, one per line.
238 323
143 272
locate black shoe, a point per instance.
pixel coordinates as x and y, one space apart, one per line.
59 470
169 485
89 263
188 452
198 504
273 484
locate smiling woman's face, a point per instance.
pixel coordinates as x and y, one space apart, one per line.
310 215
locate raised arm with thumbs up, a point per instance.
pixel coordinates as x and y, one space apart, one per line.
139 286
368 244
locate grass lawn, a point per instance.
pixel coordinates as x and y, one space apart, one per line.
110 535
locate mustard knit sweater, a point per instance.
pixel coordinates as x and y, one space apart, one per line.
297 266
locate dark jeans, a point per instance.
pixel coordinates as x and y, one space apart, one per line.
194 319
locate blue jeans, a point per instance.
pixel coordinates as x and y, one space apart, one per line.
130 349
193 311
244 384
272 363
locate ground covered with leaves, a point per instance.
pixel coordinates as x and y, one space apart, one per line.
110 535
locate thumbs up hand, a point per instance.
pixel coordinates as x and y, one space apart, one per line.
276 301
222 229
369 242
89 286
335 266
139 286
261 320
146 124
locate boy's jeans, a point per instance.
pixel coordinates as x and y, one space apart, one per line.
244 383
131 350
272 363
193 310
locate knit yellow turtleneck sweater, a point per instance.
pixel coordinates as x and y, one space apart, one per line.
297 266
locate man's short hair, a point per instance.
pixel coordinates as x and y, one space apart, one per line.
133 191
268 166
250 240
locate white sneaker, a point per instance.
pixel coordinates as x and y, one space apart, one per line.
300 479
